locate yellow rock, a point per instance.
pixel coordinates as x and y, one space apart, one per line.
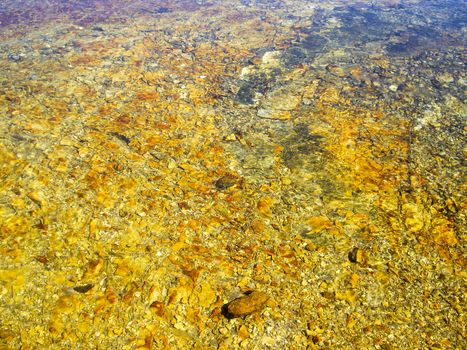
243 332
264 205
14 277
310 90
352 319
18 203
177 246
67 141
243 282
354 280
84 151
413 217
206 295
55 326
444 233
37 197
319 223
67 304
348 295
382 277
268 341
93 268
231 137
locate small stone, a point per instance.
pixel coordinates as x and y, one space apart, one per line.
7 334
171 164
328 295
83 289
231 137
15 57
37 197
264 205
413 217
356 255
226 182
271 59
354 279
336 70
393 88
159 308
348 295
243 332
246 305
319 223
351 321
42 259
206 295
224 331
356 73
445 78
163 10
268 341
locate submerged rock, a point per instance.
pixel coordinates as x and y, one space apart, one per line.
226 182
246 305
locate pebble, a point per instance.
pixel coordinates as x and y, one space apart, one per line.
225 182
15 57
37 197
246 305
83 289
338 71
286 181
356 255
445 78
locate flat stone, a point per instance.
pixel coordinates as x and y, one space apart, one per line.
246 305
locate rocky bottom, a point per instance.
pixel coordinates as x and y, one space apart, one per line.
232 174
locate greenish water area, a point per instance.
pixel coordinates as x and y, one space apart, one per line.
238 174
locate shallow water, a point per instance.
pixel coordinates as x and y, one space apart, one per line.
159 159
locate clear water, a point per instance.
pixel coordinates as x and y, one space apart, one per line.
159 159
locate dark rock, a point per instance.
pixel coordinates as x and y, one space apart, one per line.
256 84
13 57
84 289
163 10
356 255
353 255
313 43
121 137
294 57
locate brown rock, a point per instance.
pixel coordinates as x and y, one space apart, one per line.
226 182
159 308
246 305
